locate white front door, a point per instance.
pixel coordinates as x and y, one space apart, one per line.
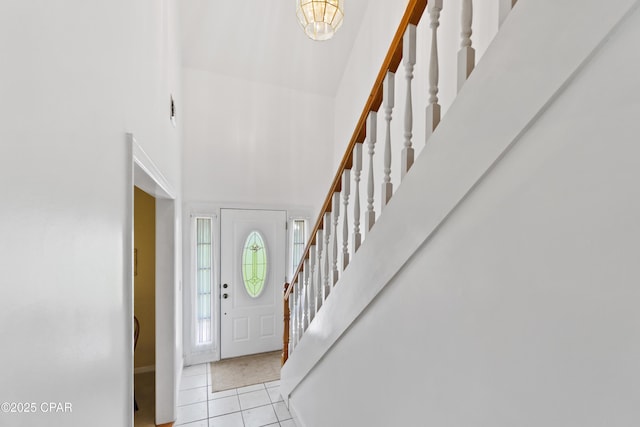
252 272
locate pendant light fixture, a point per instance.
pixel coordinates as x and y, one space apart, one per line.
320 19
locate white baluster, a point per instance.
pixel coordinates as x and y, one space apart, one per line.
346 186
320 281
298 289
327 254
312 283
505 7
303 303
334 252
293 333
433 109
307 291
294 315
409 61
357 169
388 95
372 131
467 54
301 296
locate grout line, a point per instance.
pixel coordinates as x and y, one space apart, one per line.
237 394
206 391
244 423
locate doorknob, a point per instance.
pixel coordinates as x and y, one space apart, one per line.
225 286
225 296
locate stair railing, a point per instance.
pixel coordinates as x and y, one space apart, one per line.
318 271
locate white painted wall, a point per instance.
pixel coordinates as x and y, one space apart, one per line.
519 307
76 76
251 145
248 142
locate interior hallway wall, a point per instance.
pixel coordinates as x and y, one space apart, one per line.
248 142
76 76
521 308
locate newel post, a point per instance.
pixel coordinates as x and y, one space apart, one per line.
285 334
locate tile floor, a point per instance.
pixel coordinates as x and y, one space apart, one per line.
252 406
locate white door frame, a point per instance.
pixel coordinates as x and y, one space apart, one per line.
236 289
213 210
144 174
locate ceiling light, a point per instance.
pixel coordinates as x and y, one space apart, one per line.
320 18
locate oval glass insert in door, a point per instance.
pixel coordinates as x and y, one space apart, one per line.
254 264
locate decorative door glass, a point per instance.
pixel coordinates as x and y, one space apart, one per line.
254 264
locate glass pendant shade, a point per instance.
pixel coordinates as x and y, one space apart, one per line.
320 19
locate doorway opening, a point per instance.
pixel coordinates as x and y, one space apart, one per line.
144 175
252 271
144 306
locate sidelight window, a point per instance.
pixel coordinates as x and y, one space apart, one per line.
204 280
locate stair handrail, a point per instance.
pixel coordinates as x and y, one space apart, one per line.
412 15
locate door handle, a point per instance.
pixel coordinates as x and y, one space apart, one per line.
225 296
225 286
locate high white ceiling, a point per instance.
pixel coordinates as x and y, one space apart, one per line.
261 40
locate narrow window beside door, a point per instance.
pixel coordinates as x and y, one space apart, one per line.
204 279
298 240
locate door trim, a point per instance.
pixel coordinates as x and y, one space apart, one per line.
212 353
144 174
213 210
282 214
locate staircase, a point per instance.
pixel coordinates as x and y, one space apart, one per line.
490 278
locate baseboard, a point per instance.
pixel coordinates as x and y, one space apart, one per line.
294 415
144 369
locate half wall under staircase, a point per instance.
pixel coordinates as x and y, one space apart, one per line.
499 286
